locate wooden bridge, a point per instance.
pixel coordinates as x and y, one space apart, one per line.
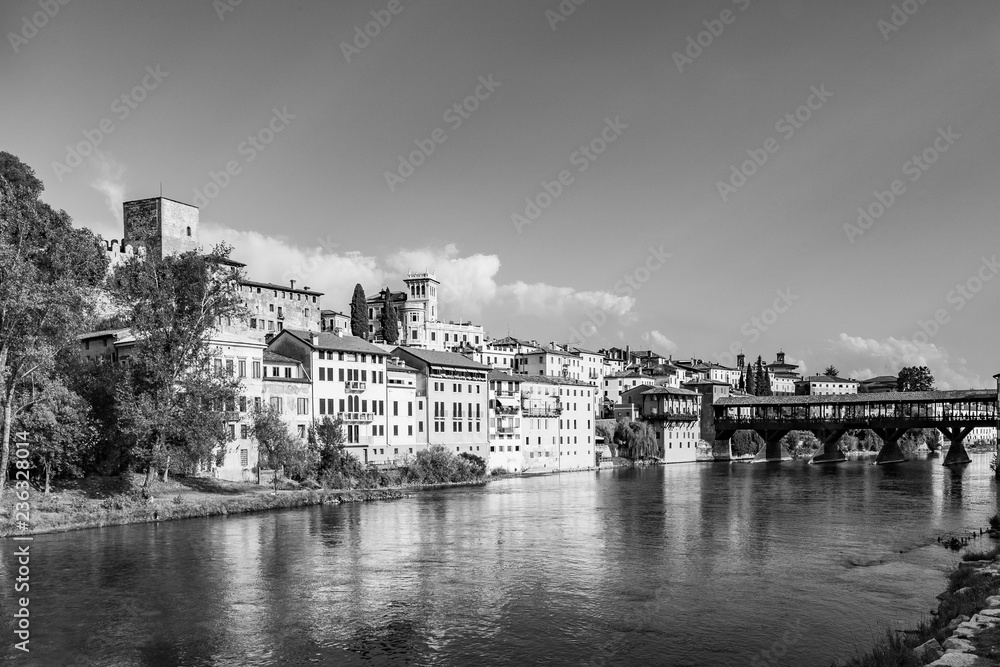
889 415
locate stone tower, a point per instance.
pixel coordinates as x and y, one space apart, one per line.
163 226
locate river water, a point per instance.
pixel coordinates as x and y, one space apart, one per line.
691 564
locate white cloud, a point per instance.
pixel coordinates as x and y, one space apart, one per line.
660 342
110 182
868 357
544 300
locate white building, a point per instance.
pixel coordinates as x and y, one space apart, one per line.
557 423
822 385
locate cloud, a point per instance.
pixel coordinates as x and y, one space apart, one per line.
110 182
469 284
660 342
868 357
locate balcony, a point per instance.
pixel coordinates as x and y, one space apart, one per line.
357 417
506 430
675 415
541 411
355 386
506 394
506 409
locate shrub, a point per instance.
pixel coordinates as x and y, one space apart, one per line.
499 472
995 522
477 463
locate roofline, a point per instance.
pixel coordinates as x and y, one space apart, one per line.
176 201
257 283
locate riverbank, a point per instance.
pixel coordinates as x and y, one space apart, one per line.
97 502
963 631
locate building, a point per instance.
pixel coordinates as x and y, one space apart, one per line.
557 423
551 361
700 369
273 308
505 421
783 376
675 415
334 322
878 385
821 385
453 392
403 440
348 381
417 314
496 357
617 384
286 388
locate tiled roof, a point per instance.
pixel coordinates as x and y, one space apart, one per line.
500 376
278 358
435 358
549 379
714 382
826 378
670 390
331 341
886 397
881 378
107 332
280 288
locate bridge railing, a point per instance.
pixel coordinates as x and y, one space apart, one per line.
965 411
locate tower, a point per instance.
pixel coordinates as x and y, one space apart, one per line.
163 226
421 307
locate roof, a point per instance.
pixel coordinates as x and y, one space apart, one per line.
125 331
670 390
328 312
881 378
280 288
435 358
704 382
278 358
825 378
331 341
550 379
625 374
500 376
543 349
886 397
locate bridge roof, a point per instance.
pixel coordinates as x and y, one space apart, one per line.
884 397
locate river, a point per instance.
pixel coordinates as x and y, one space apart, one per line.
690 564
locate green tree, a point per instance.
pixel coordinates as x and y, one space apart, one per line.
359 313
175 401
60 432
49 276
831 371
388 319
915 378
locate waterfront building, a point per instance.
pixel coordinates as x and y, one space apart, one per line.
348 381
286 387
816 385
557 423
505 421
455 397
403 439
675 415
615 385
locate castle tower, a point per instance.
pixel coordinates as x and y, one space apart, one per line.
163 226
421 307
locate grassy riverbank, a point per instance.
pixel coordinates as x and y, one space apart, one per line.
969 587
110 501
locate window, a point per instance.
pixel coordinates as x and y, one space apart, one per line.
303 406
395 430
302 431
275 402
395 408
256 369
244 458
288 372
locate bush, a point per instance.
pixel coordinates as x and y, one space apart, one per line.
995 522
499 472
476 462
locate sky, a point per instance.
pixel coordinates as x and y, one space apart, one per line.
695 177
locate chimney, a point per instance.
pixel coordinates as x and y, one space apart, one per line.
292 283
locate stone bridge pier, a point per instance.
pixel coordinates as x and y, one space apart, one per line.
890 452
956 453
829 452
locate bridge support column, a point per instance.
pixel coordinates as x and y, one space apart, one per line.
890 452
722 450
956 453
771 451
830 452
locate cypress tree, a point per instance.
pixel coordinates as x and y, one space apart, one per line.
751 381
387 319
758 377
766 388
359 313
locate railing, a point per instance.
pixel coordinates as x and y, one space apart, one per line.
675 415
355 386
507 393
357 417
506 430
541 412
507 409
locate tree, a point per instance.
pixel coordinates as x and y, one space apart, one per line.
359 313
327 438
276 446
765 389
746 442
174 401
60 434
743 384
915 378
602 430
49 275
642 441
388 319
831 371
751 381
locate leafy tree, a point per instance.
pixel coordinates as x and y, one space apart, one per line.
277 448
831 371
642 441
174 400
915 378
60 434
359 313
604 431
49 275
388 319
326 437
476 463
746 442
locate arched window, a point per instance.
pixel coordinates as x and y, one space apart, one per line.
189 231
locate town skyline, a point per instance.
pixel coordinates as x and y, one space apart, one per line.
913 287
